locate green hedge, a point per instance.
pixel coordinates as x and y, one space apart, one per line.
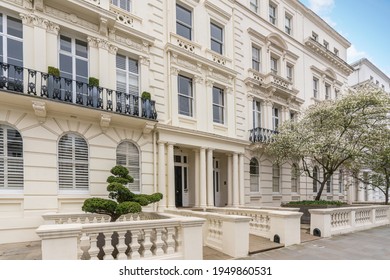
315 202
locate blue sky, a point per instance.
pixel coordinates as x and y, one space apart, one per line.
365 23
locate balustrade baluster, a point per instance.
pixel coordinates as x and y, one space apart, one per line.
158 242
121 247
170 240
83 246
108 248
94 249
135 255
147 243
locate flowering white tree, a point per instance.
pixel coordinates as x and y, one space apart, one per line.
332 133
376 159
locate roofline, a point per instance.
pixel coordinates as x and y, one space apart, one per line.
365 60
323 24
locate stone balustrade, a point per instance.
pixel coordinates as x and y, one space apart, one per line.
274 224
333 221
86 218
228 234
168 238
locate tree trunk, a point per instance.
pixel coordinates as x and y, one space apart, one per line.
318 197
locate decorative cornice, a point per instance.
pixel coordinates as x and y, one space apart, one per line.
317 48
34 20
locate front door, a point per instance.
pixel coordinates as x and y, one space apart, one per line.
181 180
217 182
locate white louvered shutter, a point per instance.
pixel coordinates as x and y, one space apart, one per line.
73 162
127 155
11 158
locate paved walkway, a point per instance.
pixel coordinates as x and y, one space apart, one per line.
373 244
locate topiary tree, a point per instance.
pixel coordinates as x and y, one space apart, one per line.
122 200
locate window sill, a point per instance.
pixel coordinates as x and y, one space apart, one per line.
277 197
73 192
187 119
255 195
17 192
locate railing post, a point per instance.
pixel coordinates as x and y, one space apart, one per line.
59 242
191 237
235 238
352 218
321 220
287 225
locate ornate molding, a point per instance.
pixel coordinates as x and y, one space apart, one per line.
34 20
102 44
105 120
144 60
72 18
40 110
175 71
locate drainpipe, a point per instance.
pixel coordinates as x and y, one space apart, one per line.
154 166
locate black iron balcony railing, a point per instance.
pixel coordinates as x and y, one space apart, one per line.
262 135
35 83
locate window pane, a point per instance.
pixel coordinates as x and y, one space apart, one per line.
183 15
183 31
15 52
120 81
217 96
81 70
81 48
15 27
185 86
66 66
217 47
65 44
133 66
216 32
121 62
185 105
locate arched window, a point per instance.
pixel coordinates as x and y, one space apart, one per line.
73 169
11 158
254 175
315 178
275 177
295 178
127 155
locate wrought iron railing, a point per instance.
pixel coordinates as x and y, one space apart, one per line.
35 83
260 134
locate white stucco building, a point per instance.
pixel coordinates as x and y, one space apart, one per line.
365 72
222 76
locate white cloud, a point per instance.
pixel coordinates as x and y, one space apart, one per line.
321 6
354 54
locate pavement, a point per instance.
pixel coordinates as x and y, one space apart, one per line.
373 244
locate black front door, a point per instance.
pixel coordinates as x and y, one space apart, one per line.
178 186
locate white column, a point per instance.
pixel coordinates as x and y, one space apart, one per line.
241 179
161 175
173 97
171 177
51 45
210 183
197 185
230 180
268 115
236 192
202 176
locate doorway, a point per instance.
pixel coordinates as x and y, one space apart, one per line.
181 181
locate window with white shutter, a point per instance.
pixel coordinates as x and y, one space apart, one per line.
127 155
11 158
73 162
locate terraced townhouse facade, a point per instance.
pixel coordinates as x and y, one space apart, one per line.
222 76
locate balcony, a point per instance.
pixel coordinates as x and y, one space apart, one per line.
279 85
20 80
262 135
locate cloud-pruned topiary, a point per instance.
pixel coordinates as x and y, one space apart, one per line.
122 200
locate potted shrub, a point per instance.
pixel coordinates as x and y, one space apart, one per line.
146 106
122 200
53 85
93 85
